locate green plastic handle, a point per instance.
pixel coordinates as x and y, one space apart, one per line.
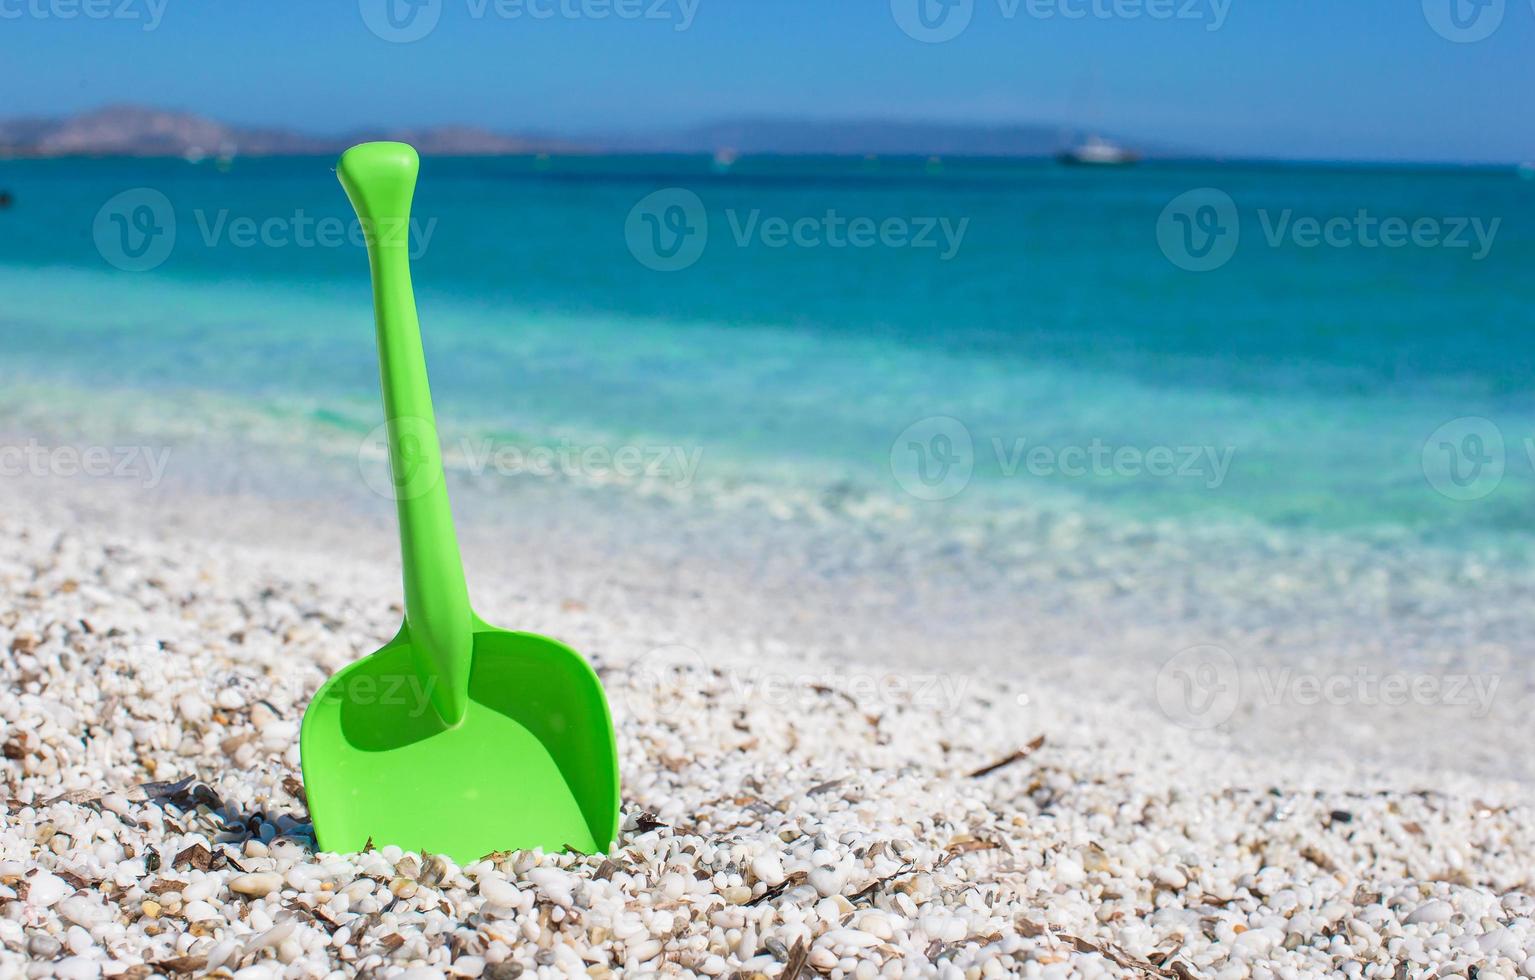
380 180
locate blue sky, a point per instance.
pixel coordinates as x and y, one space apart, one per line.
1318 79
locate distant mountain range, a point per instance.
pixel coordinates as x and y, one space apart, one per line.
854 137
126 130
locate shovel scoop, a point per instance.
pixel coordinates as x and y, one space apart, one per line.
456 737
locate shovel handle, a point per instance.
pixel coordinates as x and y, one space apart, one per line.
380 180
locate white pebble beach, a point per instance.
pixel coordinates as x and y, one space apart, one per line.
786 811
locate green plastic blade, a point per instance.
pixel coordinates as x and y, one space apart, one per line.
533 763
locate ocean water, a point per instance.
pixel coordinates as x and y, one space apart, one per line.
1326 351
1167 433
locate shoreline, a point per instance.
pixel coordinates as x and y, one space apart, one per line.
1380 651
1040 589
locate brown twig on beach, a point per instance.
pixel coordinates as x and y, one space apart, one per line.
197 856
1120 958
775 890
1114 954
182 964
646 822
798 957
959 847
873 886
295 789
1018 756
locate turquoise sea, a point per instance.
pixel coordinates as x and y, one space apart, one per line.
955 339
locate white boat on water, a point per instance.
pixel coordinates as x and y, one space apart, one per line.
1095 151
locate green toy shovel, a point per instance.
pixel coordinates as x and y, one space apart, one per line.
456 737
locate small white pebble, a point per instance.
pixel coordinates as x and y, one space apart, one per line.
46 889
828 880
498 891
768 868
76 968
1434 911
199 912
256 885
83 911
201 890
78 940
193 708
